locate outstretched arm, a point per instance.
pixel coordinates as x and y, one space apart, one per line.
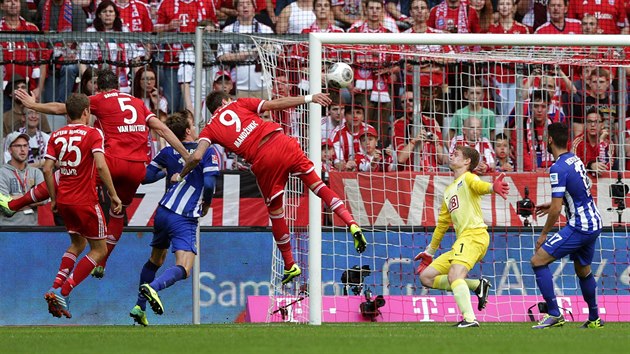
195 158
168 135
290 102
47 108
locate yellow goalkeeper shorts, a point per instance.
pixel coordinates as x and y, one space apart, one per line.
467 251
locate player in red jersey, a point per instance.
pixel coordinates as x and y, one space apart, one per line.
237 126
79 151
123 119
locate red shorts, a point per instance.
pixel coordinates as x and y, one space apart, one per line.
127 176
278 157
87 221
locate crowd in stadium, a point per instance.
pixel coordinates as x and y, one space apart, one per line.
371 127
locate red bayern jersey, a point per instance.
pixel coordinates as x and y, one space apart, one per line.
571 26
189 13
20 53
610 14
238 127
73 147
123 120
136 15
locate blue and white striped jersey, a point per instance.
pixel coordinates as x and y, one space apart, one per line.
185 198
570 182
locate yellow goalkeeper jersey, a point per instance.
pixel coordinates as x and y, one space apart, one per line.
461 206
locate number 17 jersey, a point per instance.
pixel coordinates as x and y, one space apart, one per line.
73 147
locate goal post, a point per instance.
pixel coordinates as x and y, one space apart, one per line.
398 209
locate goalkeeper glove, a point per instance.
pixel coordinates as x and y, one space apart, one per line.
425 257
501 187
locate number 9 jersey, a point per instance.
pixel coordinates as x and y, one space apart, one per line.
238 127
73 148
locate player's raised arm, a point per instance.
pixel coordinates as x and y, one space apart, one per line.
195 158
48 108
168 135
290 102
106 178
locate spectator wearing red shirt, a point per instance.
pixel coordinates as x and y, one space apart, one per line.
18 51
427 140
611 14
558 22
135 14
373 159
504 74
594 147
455 16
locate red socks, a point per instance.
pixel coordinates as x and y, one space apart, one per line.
282 236
67 263
83 269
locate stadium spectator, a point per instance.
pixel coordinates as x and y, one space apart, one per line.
590 25
474 95
535 111
116 56
611 14
461 207
124 121
375 71
426 147
74 197
345 138
273 156
432 70
569 187
60 75
295 17
223 82
176 218
597 96
15 53
373 159
347 12
328 159
332 121
248 77
17 178
502 149
472 137
455 16
15 118
180 16
324 18
504 74
135 14
485 11
400 10
88 85
594 147
37 138
558 22
145 87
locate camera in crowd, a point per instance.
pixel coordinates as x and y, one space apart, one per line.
525 207
370 308
618 192
354 279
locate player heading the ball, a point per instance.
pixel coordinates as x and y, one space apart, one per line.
237 126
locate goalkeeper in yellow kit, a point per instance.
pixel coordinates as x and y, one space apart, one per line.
462 207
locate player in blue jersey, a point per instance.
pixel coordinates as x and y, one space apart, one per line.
570 186
176 218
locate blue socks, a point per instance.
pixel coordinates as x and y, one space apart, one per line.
146 276
545 284
168 278
589 293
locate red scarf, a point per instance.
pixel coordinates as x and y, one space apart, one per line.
64 20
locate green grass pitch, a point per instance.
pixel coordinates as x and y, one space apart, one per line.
363 338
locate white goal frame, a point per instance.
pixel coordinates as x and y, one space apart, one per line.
316 40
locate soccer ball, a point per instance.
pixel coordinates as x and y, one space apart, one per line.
340 75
